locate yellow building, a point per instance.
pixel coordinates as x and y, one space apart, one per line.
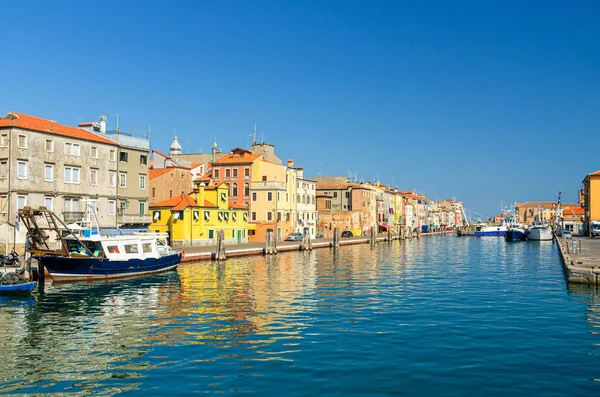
194 219
590 199
398 210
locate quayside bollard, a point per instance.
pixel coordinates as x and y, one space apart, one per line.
336 238
220 254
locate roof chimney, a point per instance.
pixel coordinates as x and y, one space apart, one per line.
103 124
290 163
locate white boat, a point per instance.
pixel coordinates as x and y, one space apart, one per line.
539 231
495 230
90 255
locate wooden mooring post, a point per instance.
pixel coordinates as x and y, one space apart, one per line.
389 235
336 238
306 242
373 237
220 254
270 243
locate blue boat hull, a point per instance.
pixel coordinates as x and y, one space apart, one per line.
498 233
16 289
515 235
73 269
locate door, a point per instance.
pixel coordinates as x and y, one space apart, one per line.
239 236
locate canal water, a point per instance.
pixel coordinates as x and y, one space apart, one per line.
443 316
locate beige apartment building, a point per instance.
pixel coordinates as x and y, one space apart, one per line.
44 163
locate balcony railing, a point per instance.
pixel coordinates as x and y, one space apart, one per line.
73 216
265 184
134 219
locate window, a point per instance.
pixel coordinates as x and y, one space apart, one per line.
226 214
220 216
113 249
143 159
4 140
269 216
156 216
234 216
153 192
48 172
196 215
207 215
227 173
131 248
22 142
246 189
253 216
246 173
234 172
49 203
49 146
72 148
3 169
278 197
72 174
253 196
246 216
122 180
146 248
142 182
93 177
287 197
297 198
278 216
21 202
123 157
216 171
234 190
264 178
22 169
334 194
269 196
112 179
112 155
142 208
223 196
71 204
347 194
123 205
111 207
170 194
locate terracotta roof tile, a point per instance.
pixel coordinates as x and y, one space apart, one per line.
231 158
161 154
237 206
33 123
158 172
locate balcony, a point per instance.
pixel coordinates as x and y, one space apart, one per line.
134 219
267 185
73 216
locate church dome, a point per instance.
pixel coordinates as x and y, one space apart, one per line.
175 147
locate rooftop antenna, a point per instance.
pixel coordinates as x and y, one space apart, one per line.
118 122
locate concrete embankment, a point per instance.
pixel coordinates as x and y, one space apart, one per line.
191 254
581 260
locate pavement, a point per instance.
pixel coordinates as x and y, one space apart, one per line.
581 259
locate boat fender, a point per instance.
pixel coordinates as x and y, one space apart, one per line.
100 258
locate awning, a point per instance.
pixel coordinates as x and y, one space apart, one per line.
385 226
252 226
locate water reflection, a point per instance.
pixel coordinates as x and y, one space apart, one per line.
435 315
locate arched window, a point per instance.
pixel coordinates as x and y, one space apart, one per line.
234 191
246 189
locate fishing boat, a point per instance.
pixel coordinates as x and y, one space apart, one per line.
516 232
88 254
540 231
494 230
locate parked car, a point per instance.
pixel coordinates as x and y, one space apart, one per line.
566 233
294 237
347 233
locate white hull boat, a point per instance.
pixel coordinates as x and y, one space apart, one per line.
540 231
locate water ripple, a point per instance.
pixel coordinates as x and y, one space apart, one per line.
442 316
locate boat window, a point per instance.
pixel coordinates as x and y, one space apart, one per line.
146 247
131 248
113 249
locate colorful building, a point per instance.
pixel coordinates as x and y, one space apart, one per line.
590 198
195 219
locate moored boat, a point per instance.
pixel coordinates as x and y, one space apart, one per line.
515 233
90 255
13 284
495 230
540 231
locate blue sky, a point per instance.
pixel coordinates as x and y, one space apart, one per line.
484 101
